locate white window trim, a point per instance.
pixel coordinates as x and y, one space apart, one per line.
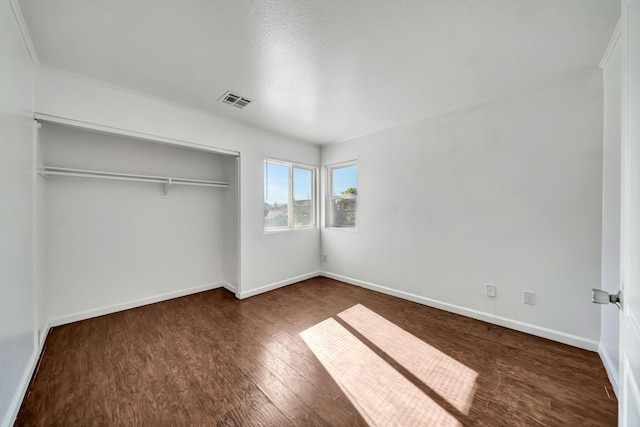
329 198
314 196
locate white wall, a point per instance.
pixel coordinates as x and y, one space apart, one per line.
507 193
611 175
112 242
266 260
17 289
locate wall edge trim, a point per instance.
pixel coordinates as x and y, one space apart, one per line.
279 284
24 30
21 392
539 331
114 308
609 367
228 286
44 335
611 46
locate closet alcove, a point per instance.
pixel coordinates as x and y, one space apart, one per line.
124 221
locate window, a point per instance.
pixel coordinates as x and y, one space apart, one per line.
289 196
342 199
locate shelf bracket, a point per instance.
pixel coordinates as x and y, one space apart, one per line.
165 190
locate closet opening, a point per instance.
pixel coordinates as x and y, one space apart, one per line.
125 220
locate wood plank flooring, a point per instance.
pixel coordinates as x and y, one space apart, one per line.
210 359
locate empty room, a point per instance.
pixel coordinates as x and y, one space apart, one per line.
320 213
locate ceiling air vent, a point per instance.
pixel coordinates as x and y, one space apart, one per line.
235 100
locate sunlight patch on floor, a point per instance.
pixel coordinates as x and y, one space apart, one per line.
453 381
381 394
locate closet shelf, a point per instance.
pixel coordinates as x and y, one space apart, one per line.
166 181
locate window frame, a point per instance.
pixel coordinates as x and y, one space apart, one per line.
290 203
329 197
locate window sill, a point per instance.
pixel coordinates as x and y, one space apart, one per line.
351 229
289 230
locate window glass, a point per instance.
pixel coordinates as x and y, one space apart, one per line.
344 180
343 196
289 195
276 195
343 212
302 197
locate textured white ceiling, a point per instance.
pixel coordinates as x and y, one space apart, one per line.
323 71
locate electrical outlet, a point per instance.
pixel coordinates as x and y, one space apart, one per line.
324 257
529 298
491 290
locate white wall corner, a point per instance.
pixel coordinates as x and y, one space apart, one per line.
276 285
609 366
26 36
551 334
613 41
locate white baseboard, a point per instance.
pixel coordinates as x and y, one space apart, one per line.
132 304
228 286
276 285
12 414
612 372
44 334
517 325
14 407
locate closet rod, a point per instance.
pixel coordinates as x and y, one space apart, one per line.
55 170
167 181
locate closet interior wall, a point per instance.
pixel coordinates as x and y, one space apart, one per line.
106 245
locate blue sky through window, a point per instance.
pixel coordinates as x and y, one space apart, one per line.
302 184
344 178
276 181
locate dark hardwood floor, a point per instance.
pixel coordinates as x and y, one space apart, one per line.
210 359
